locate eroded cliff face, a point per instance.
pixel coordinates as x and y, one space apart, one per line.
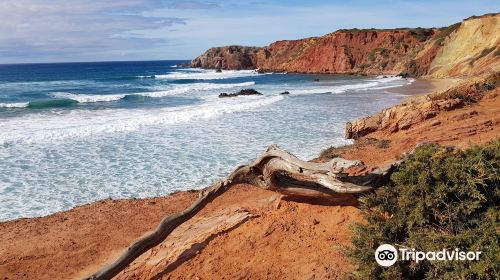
351 51
463 49
230 57
472 49
344 51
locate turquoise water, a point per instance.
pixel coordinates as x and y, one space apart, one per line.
75 133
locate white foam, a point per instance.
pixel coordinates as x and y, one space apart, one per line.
380 82
388 78
174 90
199 74
14 105
43 127
89 98
178 90
335 89
42 84
392 82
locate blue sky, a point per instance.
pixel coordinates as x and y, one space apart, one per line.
77 30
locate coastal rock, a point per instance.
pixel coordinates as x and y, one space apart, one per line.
404 116
230 57
344 51
466 48
285 93
241 92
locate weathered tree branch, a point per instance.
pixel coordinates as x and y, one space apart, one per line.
276 170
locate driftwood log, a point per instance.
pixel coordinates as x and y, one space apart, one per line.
275 170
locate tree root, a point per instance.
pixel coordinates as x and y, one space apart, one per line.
275 170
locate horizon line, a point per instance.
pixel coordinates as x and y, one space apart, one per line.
98 61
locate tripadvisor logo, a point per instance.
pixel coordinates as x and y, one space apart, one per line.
387 255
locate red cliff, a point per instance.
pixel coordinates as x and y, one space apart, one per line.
417 51
344 51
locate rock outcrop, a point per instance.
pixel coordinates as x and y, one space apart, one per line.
414 111
230 57
241 92
462 49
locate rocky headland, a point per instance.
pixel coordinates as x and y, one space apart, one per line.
468 48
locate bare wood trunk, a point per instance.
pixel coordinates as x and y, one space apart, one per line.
276 170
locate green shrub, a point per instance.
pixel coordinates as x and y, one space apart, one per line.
332 152
445 32
454 93
378 51
421 34
437 199
471 93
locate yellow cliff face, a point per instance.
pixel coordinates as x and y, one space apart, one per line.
470 50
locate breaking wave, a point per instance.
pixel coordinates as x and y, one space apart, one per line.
176 90
199 74
378 83
43 104
14 105
66 99
83 123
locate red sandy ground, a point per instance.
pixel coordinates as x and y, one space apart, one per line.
300 240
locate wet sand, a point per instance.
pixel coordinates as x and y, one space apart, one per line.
425 86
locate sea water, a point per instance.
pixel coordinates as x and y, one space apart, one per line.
75 133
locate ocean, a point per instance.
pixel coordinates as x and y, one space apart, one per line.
75 133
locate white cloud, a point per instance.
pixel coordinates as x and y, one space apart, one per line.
74 30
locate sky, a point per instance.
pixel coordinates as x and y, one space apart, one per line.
33 31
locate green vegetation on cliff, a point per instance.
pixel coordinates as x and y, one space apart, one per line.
439 198
445 32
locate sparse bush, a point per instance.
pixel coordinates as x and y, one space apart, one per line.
438 198
445 32
364 66
469 93
383 144
421 34
331 152
378 51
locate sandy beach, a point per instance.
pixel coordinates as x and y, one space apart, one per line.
425 86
